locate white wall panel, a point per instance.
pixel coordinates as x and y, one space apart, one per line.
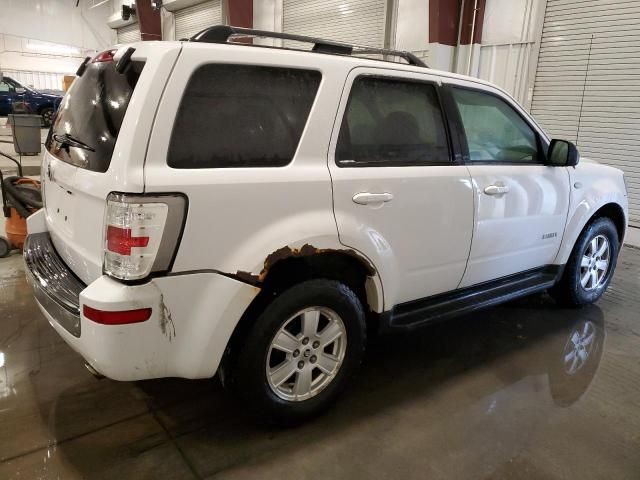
24 54
412 25
191 20
587 86
508 52
58 21
505 20
506 65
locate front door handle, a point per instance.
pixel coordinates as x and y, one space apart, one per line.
496 190
365 198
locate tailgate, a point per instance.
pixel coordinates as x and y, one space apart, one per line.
97 145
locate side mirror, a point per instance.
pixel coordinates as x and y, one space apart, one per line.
20 90
562 154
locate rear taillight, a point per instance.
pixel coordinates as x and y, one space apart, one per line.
122 240
141 234
106 56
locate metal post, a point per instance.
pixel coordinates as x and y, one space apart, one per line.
456 53
473 29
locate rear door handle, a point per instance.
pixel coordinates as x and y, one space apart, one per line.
365 198
496 190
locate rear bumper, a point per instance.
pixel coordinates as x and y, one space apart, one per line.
193 317
55 286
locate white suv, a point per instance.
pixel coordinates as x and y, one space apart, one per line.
254 211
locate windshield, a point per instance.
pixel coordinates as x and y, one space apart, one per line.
88 121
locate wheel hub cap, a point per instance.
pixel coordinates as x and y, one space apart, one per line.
594 265
306 353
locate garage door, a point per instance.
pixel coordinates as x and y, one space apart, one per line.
191 20
357 21
587 86
128 34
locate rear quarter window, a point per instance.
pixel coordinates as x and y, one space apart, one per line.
241 116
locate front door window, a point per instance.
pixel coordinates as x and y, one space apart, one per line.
495 131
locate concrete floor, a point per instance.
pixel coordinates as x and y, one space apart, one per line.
484 397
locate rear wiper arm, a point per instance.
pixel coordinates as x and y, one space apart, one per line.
69 141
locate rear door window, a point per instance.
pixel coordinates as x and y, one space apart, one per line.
242 116
91 115
392 122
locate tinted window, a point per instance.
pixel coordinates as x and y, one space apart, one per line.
92 112
494 130
241 116
392 122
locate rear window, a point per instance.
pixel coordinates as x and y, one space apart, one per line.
242 116
91 113
392 122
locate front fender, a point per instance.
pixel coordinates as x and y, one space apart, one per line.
592 187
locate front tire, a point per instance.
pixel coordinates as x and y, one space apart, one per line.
591 265
300 353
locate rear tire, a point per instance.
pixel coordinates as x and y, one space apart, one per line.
591 265
300 353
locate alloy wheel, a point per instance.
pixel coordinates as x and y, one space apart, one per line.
306 353
594 265
47 115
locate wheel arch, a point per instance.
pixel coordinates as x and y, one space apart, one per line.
614 212
585 214
290 265
345 266
287 267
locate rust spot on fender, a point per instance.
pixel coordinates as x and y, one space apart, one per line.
306 250
247 277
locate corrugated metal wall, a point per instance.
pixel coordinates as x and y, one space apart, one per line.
356 21
128 34
191 20
587 86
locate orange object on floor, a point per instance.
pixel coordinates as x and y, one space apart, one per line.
16 228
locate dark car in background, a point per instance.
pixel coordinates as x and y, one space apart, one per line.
18 98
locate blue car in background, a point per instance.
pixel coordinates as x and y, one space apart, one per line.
18 98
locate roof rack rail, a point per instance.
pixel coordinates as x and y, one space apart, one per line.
222 34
